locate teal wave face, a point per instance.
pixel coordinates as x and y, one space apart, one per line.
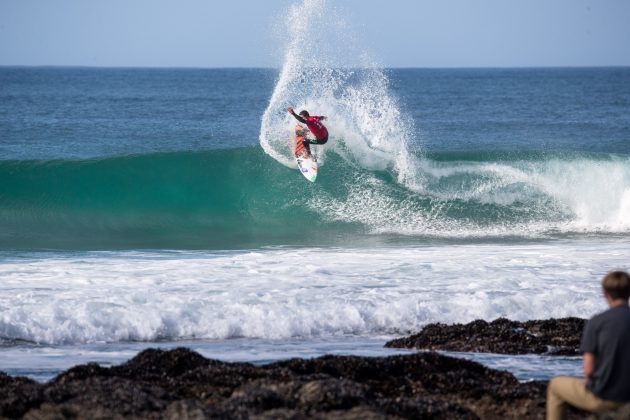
239 198
214 199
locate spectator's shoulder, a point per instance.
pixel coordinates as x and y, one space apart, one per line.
597 319
616 313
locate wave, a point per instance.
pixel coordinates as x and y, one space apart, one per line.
281 293
172 200
239 198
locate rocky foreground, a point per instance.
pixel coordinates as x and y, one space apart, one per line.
182 384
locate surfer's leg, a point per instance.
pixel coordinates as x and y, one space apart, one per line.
307 146
319 141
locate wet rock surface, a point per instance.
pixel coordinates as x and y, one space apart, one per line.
184 385
552 336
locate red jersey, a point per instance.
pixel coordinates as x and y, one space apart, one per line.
316 127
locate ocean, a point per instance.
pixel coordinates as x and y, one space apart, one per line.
161 207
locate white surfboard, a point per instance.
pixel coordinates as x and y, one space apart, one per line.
307 166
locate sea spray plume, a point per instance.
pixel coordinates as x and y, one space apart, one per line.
326 72
274 128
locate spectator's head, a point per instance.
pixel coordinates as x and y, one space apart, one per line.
616 284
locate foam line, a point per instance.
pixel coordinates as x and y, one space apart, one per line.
285 293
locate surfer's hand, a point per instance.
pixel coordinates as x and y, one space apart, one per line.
290 109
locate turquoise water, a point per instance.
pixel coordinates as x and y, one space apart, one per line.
144 207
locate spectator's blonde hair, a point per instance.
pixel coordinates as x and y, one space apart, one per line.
617 284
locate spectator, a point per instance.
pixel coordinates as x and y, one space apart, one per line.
606 349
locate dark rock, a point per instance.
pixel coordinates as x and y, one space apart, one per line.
553 337
187 410
181 384
152 364
331 394
80 372
18 395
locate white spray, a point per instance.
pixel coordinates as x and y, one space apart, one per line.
325 72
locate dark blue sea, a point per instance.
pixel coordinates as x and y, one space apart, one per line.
143 207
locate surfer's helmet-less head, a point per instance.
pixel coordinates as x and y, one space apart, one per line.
304 114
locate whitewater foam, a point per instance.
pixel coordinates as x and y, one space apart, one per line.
596 192
294 293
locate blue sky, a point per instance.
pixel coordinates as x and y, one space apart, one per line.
399 33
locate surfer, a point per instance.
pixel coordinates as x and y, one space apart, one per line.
314 125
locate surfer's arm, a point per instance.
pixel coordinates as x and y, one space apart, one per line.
297 117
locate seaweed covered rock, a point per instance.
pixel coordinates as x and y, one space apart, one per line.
552 336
